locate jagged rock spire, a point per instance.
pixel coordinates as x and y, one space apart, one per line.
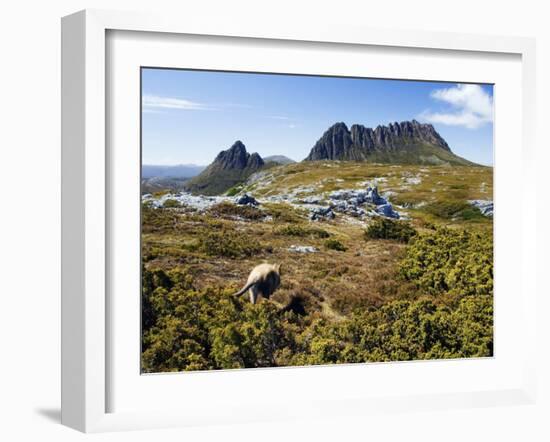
359 142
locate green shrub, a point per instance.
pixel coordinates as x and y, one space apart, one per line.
302 231
207 329
453 210
386 228
171 204
283 213
401 331
234 190
456 261
334 244
158 220
228 244
160 193
189 329
251 340
229 210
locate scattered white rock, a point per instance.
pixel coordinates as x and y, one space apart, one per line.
314 199
357 203
197 202
413 180
484 206
302 249
320 213
374 182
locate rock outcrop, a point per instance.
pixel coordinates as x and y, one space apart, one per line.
302 249
321 213
408 142
356 202
246 200
484 206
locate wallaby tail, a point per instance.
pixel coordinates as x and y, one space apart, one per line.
244 289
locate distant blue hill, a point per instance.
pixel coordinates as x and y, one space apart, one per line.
176 171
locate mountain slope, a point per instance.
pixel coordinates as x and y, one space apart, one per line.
279 159
230 167
408 142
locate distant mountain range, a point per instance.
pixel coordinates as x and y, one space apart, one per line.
408 142
279 159
156 178
176 171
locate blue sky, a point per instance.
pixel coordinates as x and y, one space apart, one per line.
190 116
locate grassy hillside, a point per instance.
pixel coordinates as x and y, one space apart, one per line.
215 181
419 154
423 154
428 193
335 302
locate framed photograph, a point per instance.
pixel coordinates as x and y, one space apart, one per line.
266 222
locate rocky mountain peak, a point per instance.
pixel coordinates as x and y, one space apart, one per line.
334 141
255 161
236 157
230 167
359 142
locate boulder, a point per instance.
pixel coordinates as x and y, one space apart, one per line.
320 213
387 211
314 199
374 197
302 249
246 200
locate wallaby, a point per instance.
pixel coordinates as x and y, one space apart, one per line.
263 280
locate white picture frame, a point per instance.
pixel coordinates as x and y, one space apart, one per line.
86 353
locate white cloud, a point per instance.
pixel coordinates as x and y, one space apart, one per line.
289 122
151 111
278 117
156 102
471 106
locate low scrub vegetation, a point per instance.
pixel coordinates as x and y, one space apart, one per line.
334 244
301 231
284 213
234 190
385 228
172 204
232 211
353 289
227 244
157 221
189 329
454 261
453 210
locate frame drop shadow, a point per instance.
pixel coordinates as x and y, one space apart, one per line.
51 414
